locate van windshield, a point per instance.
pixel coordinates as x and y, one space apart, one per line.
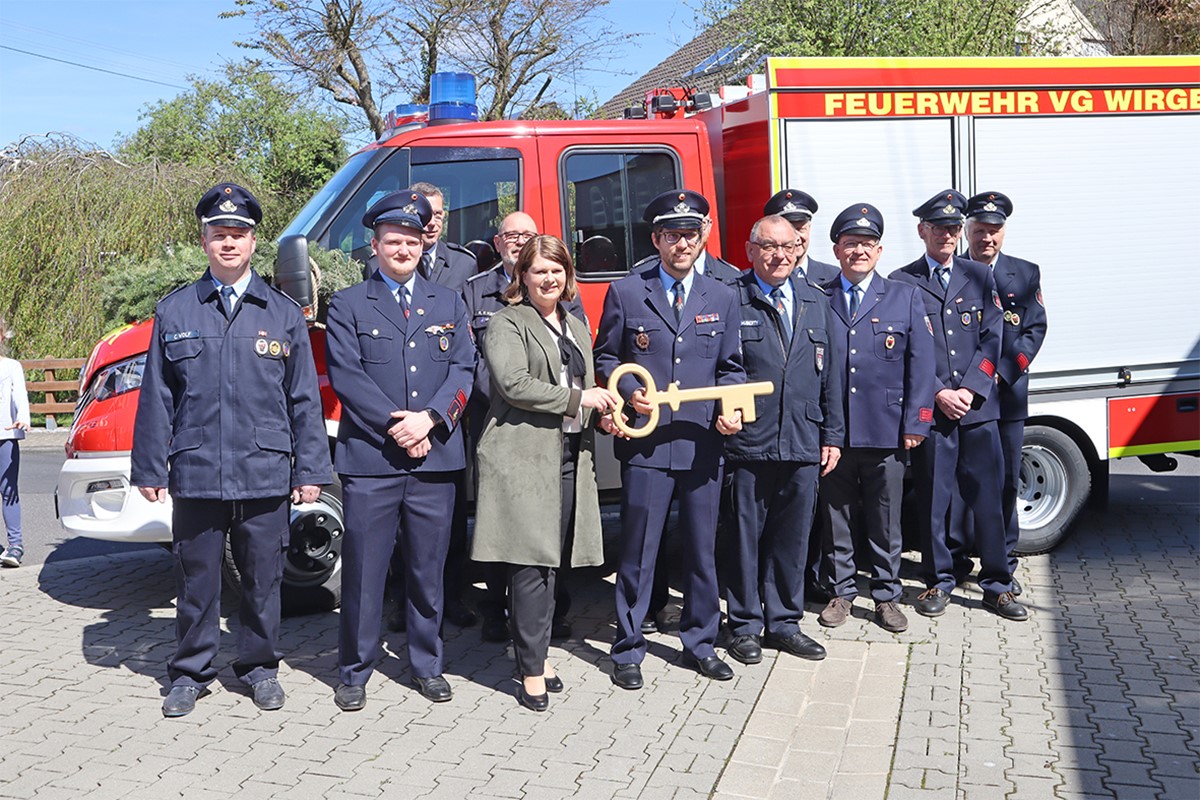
316 207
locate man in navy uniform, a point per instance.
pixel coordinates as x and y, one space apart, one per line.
682 327
775 462
798 208
885 356
450 265
483 298
400 360
1019 283
230 419
706 262
963 451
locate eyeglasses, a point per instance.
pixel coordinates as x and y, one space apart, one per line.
850 247
517 236
674 237
944 230
770 248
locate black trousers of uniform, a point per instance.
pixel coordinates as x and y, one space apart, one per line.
1012 437
258 534
646 495
378 510
774 504
454 573
964 459
866 488
531 589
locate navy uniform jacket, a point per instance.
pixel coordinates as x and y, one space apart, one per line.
805 411
1019 283
638 325
482 296
380 362
889 393
232 406
818 273
966 322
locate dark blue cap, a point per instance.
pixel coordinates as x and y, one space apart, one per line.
791 204
990 207
679 209
860 219
407 208
944 208
229 206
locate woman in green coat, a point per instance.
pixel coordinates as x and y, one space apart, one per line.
537 505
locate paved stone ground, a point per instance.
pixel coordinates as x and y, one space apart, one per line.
1098 696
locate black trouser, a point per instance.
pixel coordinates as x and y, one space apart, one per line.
258 534
531 589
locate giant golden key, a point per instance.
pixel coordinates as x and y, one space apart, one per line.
733 397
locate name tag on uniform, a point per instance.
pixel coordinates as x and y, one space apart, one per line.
750 323
175 336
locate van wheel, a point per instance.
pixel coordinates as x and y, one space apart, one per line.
1052 488
312 563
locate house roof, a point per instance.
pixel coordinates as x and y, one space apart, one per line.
680 69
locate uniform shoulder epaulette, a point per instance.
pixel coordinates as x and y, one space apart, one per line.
458 248
480 275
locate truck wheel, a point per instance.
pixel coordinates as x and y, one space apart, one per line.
312 564
1052 488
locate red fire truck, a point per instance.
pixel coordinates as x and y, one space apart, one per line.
1098 154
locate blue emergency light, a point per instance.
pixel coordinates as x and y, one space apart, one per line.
452 96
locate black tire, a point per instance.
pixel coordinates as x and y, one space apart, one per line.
1052 489
312 565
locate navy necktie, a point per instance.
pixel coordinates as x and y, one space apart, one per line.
784 319
854 300
402 298
943 274
230 300
677 301
426 265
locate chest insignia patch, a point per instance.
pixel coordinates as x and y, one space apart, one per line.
275 348
260 347
443 343
889 342
820 353
642 340
966 318
702 318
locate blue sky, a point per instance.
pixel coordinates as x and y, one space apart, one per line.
155 44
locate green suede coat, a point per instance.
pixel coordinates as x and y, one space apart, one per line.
519 460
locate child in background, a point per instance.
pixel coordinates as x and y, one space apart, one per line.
14 421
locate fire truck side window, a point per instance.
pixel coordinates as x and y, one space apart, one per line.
604 193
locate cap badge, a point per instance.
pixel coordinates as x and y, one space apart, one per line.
682 208
410 209
228 207
863 223
989 206
789 206
228 190
949 209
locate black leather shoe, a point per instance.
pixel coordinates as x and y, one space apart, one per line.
554 685
1005 605
627 676
268 694
350 698
1017 590
931 602
534 702
460 615
397 621
181 700
715 668
649 626
797 644
745 649
435 688
494 629
560 629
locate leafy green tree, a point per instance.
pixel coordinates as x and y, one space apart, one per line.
249 119
866 27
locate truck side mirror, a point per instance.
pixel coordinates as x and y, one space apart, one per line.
292 273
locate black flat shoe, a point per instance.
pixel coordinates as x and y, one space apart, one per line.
534 702
627 676
436 688
554 685
713 667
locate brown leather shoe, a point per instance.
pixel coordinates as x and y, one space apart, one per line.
890 617
835 613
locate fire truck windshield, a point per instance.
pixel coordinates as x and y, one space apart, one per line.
316 208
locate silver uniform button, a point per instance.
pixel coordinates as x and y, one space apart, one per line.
413 368
414 394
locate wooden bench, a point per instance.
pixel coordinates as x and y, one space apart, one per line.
50 387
